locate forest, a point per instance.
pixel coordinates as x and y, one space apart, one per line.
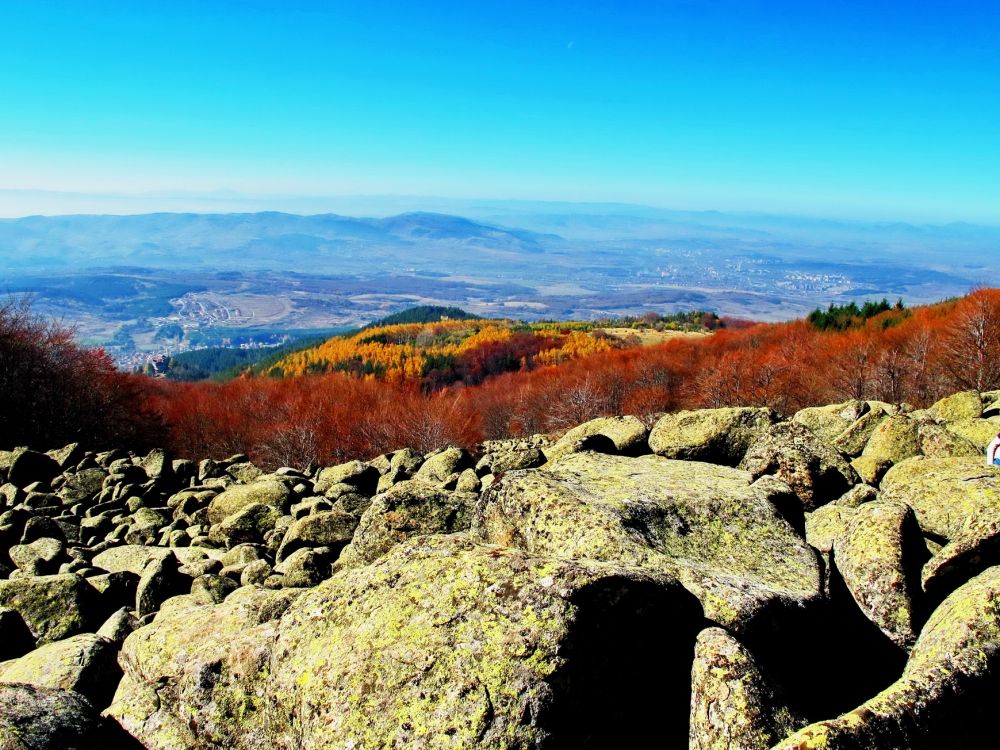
909 356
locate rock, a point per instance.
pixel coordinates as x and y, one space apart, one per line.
973 547
824 526
853 439
816 472
943 492
628 434
244 472
733 706
408 509
957 407
31 466
212 589
357 474
119 626
145 525
39 527
879 557
54 607
158 465
33 718
509 459
442 643
41 557
333 529
159 581
946 696
938 442
858 495
15 637
895 439
720 534
68 456
719 436
84 663
255 573
870 469
249 524
265 491
827 422
302 568
977 431
130 557
439 466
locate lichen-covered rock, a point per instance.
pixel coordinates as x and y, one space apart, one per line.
733 706
357 474
944 492
957 407
248 525
879 557
946 696
854 438
440 465
719 436
871 469
443 643
40 557
895 439
827 422
33 718
333 529
979 432
408 509
265 491
128 557
816 472
82 486
54 607
303 568
628 434
938 442
824 526
972 548
160 580
85 663
720 534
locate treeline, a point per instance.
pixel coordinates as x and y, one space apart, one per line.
222 362
842 317
931 352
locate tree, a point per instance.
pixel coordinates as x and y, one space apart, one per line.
973 344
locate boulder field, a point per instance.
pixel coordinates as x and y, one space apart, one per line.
722 579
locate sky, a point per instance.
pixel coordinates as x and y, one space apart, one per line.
846 108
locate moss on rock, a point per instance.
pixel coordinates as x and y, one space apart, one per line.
719 436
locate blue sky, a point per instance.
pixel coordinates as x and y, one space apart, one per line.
846 108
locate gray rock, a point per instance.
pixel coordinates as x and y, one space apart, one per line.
54 607
333 529
719 436
85 663
33 718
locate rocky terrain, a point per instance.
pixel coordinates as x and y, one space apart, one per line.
712 579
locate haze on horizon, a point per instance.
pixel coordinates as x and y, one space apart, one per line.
877 111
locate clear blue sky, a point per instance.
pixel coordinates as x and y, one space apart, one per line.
841 107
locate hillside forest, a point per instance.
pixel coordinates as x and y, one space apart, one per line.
428 384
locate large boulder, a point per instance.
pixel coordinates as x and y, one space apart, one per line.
711 526
332 529
879 556
407 509
946 696
944 492
972 548
979 432
895 439
827 422
54 607
265 491
30 466
938 442
85 663
442 464
719 436
33 718
249 524
358 474
957 407
853 439
815 471
628 434
442 643
128 557
733 705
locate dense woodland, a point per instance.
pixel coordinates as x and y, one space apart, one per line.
898 355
